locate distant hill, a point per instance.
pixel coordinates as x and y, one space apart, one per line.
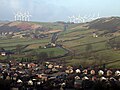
111 24
18 26
28 26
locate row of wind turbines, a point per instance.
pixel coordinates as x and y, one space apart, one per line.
25 16
83 19
22 16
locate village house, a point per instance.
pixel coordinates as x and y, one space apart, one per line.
3 52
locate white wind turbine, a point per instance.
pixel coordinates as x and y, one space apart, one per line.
84 19
98 16
28 16
22 17
19 16
70 19
93 17
73 19
89 18
78 19
25 16
15 16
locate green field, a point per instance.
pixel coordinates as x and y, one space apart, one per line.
99 54
30 46
75 39
54 51
11 43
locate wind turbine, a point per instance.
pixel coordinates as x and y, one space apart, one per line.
22 17
25 18
93 17
84 19
70 19
28 16
78 19
98 16
73 18
89 18
19 16
15 16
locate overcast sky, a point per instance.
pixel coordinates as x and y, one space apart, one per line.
58 10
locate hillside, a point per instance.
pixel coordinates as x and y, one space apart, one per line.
29 29
19 26
87 43
111 24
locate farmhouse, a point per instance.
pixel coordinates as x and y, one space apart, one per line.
4 52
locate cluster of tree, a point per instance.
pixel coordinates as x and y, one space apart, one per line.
19 48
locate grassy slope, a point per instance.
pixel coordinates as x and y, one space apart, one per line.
72 41
11 43
56 51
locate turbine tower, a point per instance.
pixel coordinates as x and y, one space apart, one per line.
78 19
73 18
25 16
98 16
22 17
15 16
70 19
83 19
89 18
28 16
